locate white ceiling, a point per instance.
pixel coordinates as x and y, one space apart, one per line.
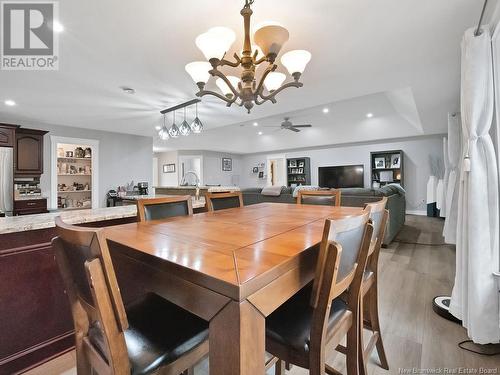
399 59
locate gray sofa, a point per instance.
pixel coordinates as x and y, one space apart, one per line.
354 197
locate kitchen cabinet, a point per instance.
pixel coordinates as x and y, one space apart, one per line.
7 135
30 206
28 152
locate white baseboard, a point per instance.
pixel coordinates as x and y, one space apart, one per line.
416 212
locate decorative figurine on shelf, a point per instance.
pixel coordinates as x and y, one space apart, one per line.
79 153
88 152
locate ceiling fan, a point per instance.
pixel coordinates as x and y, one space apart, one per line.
288 125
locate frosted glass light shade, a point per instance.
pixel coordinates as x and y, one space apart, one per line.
271 38
163 133
184 129
215 42
274 80
174 131
198 70
224 87
296 61
196 126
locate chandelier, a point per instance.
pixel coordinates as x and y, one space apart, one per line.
247 90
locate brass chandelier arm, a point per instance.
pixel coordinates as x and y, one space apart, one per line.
215 72
272 95
235 64
269 69
229 102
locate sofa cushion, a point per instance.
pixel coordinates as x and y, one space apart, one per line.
252 190
303 187
272 191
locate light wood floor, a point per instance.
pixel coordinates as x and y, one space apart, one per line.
414 336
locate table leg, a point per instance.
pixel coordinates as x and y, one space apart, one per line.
237 340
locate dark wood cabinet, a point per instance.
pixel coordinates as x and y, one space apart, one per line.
7 135
28 152
30 206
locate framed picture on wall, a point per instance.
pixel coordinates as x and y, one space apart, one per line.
395 161
255 169
227 164
168 168
380 163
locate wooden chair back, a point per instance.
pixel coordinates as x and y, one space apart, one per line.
341 263
379 216
222 201
85 264
320 197
163 208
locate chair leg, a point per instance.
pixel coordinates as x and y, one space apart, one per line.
375 323
361 346
353 347
279 368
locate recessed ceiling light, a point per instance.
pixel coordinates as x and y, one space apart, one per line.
58 27
260 133
326 110
128 90
157 127
255 124
10 103
369 115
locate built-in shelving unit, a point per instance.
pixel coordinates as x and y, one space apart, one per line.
298 171
74 177
387 167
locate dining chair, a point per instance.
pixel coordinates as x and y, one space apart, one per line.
162 208
222 201
149 335
324 312
369 316
319 197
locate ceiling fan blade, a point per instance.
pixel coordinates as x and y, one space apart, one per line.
293 129
302 126
272 126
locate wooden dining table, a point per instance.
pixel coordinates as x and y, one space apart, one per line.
231 267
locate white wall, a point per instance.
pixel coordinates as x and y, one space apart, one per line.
212 167
416 163
122 157
167 179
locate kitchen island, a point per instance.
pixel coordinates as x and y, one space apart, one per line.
35 317
191 190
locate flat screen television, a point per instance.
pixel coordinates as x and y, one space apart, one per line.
342 176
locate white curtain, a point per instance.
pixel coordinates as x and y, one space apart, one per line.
446 176
454 162
6 179
475 297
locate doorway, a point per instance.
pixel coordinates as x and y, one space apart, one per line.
276 170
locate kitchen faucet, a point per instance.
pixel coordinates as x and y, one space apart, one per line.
197 180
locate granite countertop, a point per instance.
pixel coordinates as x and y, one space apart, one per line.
29 198
200 203
211 189
41 221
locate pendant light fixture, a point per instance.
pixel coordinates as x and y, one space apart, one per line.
163 132
184 129
246 89
174 130
196 125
